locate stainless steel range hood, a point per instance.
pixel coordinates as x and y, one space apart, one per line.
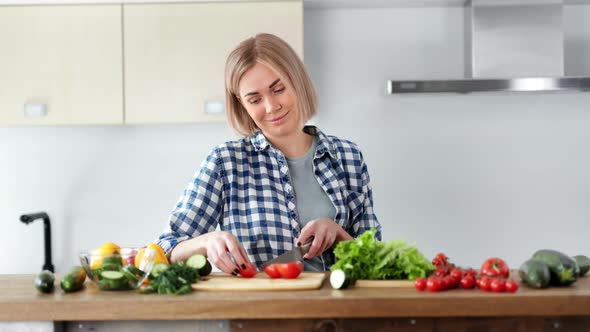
512 45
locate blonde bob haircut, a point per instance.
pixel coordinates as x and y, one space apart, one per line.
275 53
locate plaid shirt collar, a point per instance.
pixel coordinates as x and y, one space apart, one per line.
325 144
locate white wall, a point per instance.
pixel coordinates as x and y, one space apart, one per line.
98 184
473 176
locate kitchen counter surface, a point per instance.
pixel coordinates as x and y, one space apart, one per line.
19 300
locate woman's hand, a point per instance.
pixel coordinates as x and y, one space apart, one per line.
325 233
217 247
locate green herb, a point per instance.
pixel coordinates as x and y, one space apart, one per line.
176 279
366 258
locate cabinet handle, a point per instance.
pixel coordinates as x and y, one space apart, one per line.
35 109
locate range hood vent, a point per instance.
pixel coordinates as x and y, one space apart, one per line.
512 45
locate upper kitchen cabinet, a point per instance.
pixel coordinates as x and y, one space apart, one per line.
61 64
175 54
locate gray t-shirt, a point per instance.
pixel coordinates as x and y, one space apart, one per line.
312 202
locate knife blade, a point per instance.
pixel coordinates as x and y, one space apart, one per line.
294 255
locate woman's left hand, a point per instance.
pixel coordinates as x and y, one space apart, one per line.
325 232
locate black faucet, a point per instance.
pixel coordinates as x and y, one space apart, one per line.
29 218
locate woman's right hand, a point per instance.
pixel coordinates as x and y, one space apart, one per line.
217 247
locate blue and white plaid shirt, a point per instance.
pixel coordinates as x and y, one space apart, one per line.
244 186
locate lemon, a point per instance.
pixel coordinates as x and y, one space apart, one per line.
109 248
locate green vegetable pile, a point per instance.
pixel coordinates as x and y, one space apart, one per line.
366 258
174 279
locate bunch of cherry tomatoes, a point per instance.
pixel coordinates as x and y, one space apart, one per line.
494 276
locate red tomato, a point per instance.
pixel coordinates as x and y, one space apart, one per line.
420 284
272 271
440 260
450 282
290 270
440 272
495 267
511 286
485 284
498 285
249 271
471 272
457 274
434 284
468 282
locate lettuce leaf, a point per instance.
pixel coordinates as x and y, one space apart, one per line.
366 258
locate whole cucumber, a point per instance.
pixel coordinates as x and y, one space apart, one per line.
535 273
583 263
44 281
564 270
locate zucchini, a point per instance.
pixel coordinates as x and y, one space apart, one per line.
583 263
73 281
563 269
339 279
199 263
535 273
44 281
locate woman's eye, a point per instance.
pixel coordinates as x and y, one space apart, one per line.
279 90
255 101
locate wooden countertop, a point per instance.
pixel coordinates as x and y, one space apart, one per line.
19 300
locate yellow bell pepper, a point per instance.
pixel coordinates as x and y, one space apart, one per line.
159 258
105 250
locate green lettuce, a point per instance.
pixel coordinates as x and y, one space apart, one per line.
366 258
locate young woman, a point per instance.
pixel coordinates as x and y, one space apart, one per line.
283 184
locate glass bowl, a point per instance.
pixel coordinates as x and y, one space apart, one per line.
111 267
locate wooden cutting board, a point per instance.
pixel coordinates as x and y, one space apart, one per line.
384 284
223 282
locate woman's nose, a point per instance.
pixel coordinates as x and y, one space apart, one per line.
272 105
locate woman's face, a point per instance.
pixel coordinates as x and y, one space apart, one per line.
269 101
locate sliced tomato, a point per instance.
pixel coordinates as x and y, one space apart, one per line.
272 271
249 271
290 270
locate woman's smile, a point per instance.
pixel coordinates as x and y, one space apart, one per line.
279 120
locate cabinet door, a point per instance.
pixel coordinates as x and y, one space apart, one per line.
66 60
175 53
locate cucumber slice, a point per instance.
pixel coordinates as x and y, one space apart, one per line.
134 270
113 260
197 261
112 275
158 269
206 270
339 279
129 275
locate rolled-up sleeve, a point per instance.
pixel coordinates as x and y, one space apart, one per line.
200 206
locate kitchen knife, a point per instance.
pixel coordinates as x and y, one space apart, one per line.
295 255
